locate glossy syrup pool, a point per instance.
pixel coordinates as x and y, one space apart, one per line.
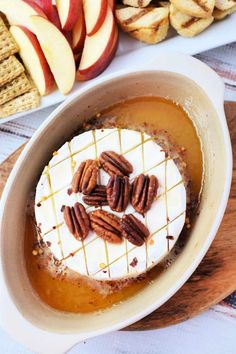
68 292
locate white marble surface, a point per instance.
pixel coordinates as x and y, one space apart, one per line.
212 332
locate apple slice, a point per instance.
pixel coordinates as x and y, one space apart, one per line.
68 11
51 11
56 21
104 63
79 33
18 12
57 52
112 4
95 13
99 49
33 59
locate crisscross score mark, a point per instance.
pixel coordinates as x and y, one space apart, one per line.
154 233
76 200
88 208
44 198
104 241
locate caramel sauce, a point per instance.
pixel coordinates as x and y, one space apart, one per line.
73 294
163 114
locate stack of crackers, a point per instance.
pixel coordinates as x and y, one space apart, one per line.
17 91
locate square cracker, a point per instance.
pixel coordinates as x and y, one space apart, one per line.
9 69
15 88
8 45
25 102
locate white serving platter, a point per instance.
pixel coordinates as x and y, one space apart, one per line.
132 53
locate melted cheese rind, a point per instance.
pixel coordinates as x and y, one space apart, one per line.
95 257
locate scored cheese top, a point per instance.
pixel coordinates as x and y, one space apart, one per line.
95 257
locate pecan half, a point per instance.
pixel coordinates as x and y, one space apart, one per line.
133 230
77 221
115 164
85 178
118 192
144 191
106 225
97 197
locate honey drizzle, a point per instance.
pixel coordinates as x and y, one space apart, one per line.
126 242
99 181
80 150
143 170
150 236
89 145
166 203
55 214
89 207
73 164
44 198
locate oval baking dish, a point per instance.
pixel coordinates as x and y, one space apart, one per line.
174 76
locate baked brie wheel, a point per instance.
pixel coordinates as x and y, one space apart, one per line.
98 251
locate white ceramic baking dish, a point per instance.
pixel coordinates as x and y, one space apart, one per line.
178 77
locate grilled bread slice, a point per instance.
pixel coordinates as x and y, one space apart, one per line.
188 26
195 8
225 4
221 14
137 3
149 25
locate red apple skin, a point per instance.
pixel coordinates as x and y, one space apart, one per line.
61 63
49 79
55 18
56 21
68 36
36 7
103 62
47 7
78 46
77 59
72 16
100 19
112 4
78 43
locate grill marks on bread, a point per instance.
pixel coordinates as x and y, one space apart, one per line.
195 8
188 26
149 24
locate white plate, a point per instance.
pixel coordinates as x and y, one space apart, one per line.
132 53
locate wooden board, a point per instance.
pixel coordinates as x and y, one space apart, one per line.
215 277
